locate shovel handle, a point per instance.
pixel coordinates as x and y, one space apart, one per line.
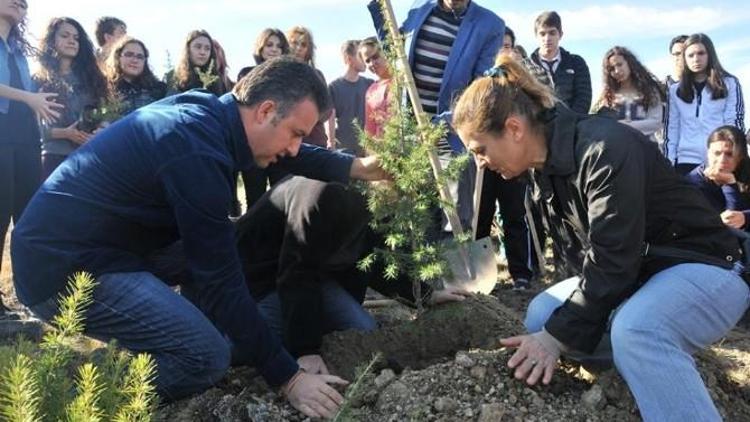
478 183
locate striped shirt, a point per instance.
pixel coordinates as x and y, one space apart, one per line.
432 49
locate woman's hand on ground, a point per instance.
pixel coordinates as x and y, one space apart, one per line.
535 358
312 364
312 395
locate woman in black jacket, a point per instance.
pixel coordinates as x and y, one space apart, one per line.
658 275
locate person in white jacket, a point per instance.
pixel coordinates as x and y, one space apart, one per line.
706 97
631 94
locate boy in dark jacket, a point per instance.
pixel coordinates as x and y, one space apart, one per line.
569 72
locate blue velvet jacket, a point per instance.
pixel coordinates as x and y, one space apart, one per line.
162 173
479 39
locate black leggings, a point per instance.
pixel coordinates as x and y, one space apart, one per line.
20 169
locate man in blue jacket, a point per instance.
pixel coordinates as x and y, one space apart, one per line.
449 43
163 173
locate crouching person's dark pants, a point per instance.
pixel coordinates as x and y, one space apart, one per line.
299 246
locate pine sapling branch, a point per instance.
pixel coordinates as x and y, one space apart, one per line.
354 390
139 390
85 407
19 392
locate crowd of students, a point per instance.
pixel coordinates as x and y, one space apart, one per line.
553 163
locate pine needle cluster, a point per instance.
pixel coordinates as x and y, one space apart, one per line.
209 76
55 381
406 210
356 392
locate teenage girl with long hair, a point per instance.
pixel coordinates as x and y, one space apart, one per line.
198 57
130 77
68 67
631 94
706 97
271 43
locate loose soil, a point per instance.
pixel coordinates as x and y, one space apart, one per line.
446 366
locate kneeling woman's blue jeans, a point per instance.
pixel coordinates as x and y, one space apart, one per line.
653 334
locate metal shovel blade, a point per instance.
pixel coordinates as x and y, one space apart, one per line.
482 261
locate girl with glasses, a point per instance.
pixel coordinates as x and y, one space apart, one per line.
130 76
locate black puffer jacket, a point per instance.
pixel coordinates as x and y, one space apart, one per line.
606 191
572 80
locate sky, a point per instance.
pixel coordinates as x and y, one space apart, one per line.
590 27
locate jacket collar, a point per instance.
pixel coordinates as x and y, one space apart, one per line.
562 55
243 156
560 131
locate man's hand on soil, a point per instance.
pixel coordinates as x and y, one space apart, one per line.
536 357
449 294
312 395
313 364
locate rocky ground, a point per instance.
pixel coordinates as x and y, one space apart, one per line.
467 385
448 368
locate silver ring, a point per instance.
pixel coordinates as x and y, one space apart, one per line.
534 362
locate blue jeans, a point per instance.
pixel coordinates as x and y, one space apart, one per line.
340 311
653 334
145 315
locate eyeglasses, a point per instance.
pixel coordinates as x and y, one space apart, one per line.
131 55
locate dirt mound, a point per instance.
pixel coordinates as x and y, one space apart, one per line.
429 375
436 335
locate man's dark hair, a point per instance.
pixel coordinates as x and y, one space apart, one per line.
509 32
285 81
349 48
106 25
548 18
678 39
